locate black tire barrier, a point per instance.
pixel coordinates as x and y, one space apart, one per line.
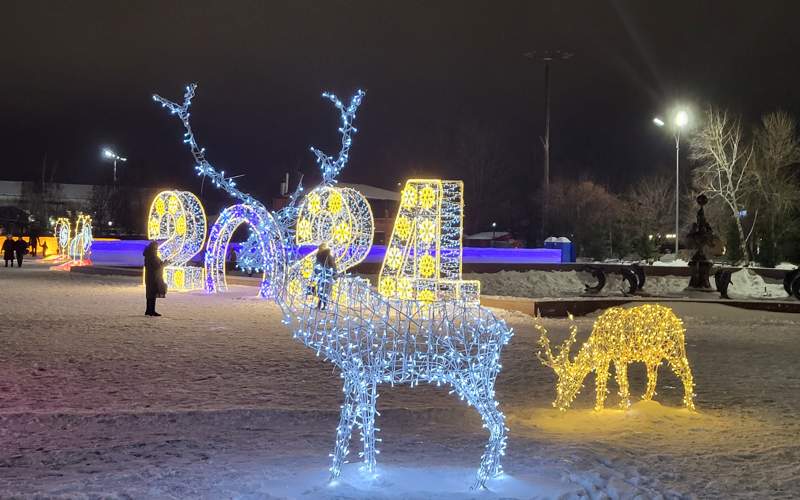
640 276
722 279
633 281
795 287
788 278
597 274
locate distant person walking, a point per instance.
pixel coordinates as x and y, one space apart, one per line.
44 249
8 250
33 239
154 285
20 248
324 272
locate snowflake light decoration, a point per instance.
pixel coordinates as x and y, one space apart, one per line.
62 232
178 218
649 334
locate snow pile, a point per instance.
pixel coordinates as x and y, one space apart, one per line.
671 263
529 283
745 283
788 266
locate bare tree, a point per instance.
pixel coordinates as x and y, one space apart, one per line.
724 168
650 205
775 168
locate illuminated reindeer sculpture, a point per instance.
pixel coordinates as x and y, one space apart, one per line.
373 339
647 333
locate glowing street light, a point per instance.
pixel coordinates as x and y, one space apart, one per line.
679 121
115 157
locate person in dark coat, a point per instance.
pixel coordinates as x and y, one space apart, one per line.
154 285
324 274
20 248
8 250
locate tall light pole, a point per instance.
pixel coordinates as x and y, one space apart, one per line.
679 121
546 57
115 157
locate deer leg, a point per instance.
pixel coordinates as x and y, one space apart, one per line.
346 420
652 379
601 376
621 368
680 365
366 417
481 396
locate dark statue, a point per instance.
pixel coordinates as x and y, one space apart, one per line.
700 237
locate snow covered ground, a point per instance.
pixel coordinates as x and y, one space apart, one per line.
214 400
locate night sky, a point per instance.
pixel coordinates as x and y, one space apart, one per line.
77 76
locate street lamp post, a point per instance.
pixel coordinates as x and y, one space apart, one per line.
680 120
494 228
114 157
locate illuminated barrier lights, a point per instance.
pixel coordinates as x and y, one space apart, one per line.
648 334
423 257
268 239
178 218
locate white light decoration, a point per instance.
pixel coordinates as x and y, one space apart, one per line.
62 231
178 218
269 242
449 339
423 257
249 258
648 333
80 246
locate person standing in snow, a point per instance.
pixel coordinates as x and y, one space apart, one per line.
44 249
20 248
8 250
324 272
154 285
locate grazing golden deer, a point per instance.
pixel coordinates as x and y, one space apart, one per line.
648 333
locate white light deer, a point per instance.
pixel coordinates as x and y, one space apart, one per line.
374 340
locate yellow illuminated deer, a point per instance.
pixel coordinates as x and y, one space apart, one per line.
648 333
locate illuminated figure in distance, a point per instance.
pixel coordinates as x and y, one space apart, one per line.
648 333
373 339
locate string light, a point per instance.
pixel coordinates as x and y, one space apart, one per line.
372 339
178 218
649 334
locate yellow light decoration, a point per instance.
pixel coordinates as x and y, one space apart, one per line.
342 233
334 203
304 229
80 246
648 334
178 218
424 251
427 197
403 228
294 287
314 203
62 232
408 197
160 206
393 257
426 230
427 266
307 268
387 286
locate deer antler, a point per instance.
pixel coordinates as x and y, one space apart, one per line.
202 166
562 357
330 167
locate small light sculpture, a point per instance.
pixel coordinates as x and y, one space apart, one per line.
423 257
80 246
178 218
249 257
649 334
372 339
62 232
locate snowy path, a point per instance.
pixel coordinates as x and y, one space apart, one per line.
214 400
